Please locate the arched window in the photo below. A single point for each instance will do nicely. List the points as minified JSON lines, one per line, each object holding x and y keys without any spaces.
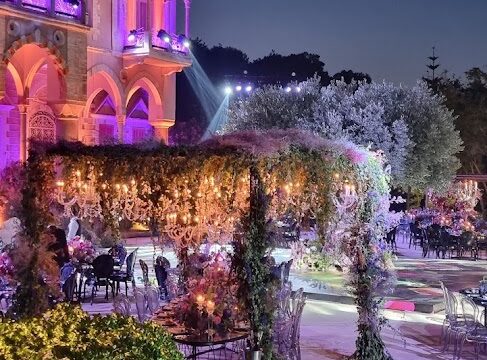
{"x":42,"y":126}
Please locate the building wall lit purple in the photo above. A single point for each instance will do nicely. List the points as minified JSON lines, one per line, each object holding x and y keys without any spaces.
{"x":96,"y":71}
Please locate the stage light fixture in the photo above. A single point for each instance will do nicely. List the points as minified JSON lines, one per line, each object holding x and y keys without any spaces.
{"x":238,"y":88}
{"x":288,"y":89}
{"x":131,"y":36}
{"x":248,"y":88}
{"x":164,"y":36}
{"x":228,"y":90}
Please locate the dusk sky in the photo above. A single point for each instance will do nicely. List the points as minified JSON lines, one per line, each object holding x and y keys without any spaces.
{"x":389,"y":39}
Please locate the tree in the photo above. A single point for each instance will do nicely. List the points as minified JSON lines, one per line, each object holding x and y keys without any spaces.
{"x":412,"y":126}
{"x":298,"y":67}
{"x":469,"y":103}
{"x":272,"y":107}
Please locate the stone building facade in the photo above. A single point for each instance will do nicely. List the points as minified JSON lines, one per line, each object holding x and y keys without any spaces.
{"x":97,"y":71}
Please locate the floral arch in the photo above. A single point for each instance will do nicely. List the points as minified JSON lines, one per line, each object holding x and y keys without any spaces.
{"x":232,"y":184}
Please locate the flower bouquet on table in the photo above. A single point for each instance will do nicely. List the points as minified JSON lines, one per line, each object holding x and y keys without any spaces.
{"x":211,"y":304}
{"x":6,"y":267}
{"x":81,"y":251}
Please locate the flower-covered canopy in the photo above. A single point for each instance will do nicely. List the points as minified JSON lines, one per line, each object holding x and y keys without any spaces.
{"x":228,"y":188}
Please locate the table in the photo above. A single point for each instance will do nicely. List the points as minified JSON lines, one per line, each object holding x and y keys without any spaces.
{"x":473,"y":293}
{"x":200,"y":344}
{"x":203,"y":344}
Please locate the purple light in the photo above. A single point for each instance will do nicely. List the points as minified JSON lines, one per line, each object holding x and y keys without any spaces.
{"x":298,"y":89}
{"x":238,"y":88}
{"x":288,"y":89}
{"x":248,"y":88}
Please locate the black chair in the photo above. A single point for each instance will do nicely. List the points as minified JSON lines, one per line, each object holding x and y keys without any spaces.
{"x":125,"y":276}
{"x":391,"y":239}
{"x":102,"y":271}
{"x":69,"y":288}
{"x":145,"y":272}
{"x":161,"y":275}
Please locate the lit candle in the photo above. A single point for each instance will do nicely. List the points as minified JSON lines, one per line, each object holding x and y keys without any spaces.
{"x":200,"y":300}
{"x":210,"y":306}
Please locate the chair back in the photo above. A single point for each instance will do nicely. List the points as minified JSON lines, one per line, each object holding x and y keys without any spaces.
{"x":153,"y":296}
{"x":69,"y":287}
{"x":131,"y":262}
{"x":103,"y":266}
{"x":287,"y":269}
{"x":140,"y":304}
{"x":145,"y":272}
{"x":122,"y":305}
{"x":161,"y":274}
{"x":470,"y":314}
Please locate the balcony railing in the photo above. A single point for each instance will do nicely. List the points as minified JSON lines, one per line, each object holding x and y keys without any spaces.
{"x":142,"y":40}
{"x":71,"y":10}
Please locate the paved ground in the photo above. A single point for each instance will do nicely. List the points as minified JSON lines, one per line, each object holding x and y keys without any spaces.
{"x":328,"y":328}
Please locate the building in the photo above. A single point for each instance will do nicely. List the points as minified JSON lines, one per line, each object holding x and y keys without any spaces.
{"x":96,"y":71}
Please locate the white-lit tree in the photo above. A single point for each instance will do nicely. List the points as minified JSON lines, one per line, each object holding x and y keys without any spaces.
{"x":412,"y":126}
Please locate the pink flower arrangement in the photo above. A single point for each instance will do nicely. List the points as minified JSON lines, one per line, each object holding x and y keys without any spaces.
{"x":212,"y":296}
{"x":80,"y":250}
{"x":6,"y":265}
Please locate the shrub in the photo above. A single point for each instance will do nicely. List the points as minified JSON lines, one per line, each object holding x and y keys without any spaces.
{"x":67,"y":332}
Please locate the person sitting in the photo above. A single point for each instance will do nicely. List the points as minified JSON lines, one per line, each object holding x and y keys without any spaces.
{"x":60,"y":246}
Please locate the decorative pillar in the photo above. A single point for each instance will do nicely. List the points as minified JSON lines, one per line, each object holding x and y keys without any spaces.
{"x":121,"y":120}
{"x":161,"y":129}
{"x":158,"y":15}
{"x":187,"y":7}
{"x":23,"y":131}
{"x":131,"y":20}
{"x":170,"y":16}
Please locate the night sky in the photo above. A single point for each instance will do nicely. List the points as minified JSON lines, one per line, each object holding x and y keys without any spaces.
{"x":389,"y":39}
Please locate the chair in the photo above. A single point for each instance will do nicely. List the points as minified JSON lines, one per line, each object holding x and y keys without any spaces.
{"x":68,"y":281}
{"x":102,"y":271}
{"x":122,"y":305}
{"x":145,"y":272}
{"x":126,"y":276}
{"x":140,"y":304}
{"x":286,"y":270}
{"x":161,"y":277}
{"x":473,"y":331}
{"x":152,"y":296}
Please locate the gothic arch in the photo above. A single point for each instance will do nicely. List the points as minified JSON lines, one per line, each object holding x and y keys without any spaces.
{"x":37,"y":38}
{"x":143,"y":80}
{"x":19,"y":87}
{"x":114,"y":88}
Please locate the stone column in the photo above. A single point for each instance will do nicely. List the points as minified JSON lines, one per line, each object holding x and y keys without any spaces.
{"x":170,"y":16}
{"x":158,"y":14}
{"x":161,"y":129}
{"x":187,"y":8}
{"x":23,"y":131}
{"x":121,"y":120}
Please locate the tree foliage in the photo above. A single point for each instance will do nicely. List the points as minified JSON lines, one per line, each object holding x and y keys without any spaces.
{"x":412,"y":126}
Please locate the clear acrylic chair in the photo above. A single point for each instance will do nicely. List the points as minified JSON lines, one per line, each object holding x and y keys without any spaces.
{"x":152,"y":296}
{"x":122,"y":305}
{"x":141,"y":304}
